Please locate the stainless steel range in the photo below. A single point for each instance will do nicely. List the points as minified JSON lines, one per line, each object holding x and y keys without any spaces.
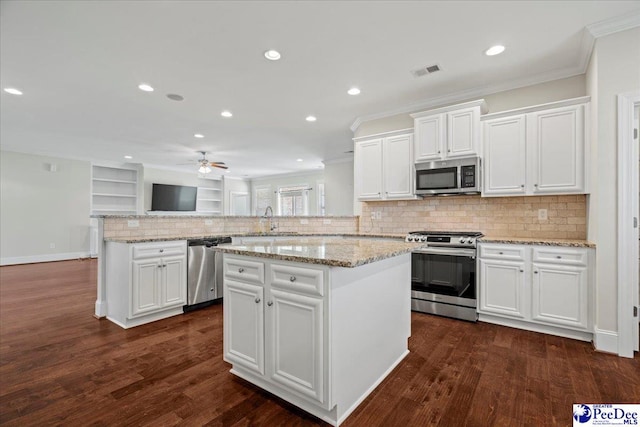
{"x":443,"y":273}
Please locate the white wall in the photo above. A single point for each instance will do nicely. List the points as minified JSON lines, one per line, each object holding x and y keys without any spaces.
{"x":39,"y":208}
{"x":555,"y":90}
{"x":308,"y":178}
{"x":234,"y":185}
{"x":614,"y":69}
{"x":338,"y":187}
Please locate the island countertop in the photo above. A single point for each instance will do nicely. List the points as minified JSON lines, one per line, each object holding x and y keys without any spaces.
{"x":334,"y":251}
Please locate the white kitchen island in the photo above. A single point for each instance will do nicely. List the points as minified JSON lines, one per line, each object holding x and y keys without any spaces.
{"x":319,"y":322}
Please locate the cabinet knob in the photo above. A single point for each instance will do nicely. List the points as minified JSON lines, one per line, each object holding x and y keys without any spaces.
{"x":159,"y":265}
{"x":292,"y":278}
{"x":521,"y":185}
{"x":535,"y":185}
{"x":500,"y":253}
{"x":535,"y":272}
{"x":521,"y":271}
{"x":161,"y":250}
{"x":211,"y":290}
{"x":438,"y":151}
{"x":257,"y":300}
{"x":270,"y":303}
{"x":240,"y":270}
{"x":449,"y":150}
{"x":559,"y":257}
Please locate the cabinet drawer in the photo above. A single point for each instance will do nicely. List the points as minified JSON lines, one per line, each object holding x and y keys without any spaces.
{"x":302,"y":280}
{"x":515,"y":253}
{"x":244,"y":270}
{"x":556,"y":255}
{"x":159,"y":249}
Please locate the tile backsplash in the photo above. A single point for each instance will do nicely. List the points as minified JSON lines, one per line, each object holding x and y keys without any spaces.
{"x":493,"y":216}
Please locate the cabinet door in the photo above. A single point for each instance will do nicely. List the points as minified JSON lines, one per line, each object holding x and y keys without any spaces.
{"x":174,"y":281}
{"x":398,"y":167}
{"x":244,"y":325}
{"x":560,"y":295}
{"x":429,"y":137}
{"x":556,"y":138}
{"x":463,"y":132}
{"x":369,"y":169}
{"x":145,"y":286}
{"x":502,"y":288}
{"x":296,"y":334}
{"x":504,"y":156}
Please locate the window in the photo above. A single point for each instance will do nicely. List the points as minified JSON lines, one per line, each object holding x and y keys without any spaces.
{"x":261,"y":199}
{"x":321,"y":200}
{"x":293,"y":200}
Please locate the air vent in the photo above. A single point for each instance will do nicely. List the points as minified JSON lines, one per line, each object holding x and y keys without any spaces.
{"x":425,"y":70}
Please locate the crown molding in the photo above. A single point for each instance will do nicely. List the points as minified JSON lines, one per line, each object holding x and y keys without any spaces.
{"x":476,"y":92}
{"x":615,"y":24}
{"x":385,"y":134}
{"x":530,"y":109}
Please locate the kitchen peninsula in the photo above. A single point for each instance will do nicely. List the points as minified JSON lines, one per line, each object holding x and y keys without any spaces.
{"x":317,"y":321}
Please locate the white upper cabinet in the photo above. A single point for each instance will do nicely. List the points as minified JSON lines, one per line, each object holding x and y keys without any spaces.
{"x":384,"y":166}
{"x":448,"y":132}
{"x":537,"y":150}
{"x":505,"y":156}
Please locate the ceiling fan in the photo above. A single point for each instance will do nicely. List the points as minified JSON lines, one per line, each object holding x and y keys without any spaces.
{"x":205,"y":165}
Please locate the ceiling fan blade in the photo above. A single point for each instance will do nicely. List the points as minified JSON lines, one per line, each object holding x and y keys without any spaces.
{"x":219,"y":166}
{"x":216,"y":163}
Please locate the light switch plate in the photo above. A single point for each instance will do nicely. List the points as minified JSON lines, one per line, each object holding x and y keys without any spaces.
{"x":542,"y":214}
{"x":132,"y":223}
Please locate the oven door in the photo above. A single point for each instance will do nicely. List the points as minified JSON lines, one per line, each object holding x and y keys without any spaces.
{"x":444,"y":274}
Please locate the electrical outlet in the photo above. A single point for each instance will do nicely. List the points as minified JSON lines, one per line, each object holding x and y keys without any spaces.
{"x":304,"y":221}
{"x":132,"y":223}
{"x":52,"y":245}
{"x":326,"y":221}
{"x":208,"y":222}
{"x":378,"y":215}
{"x":542,"y":214}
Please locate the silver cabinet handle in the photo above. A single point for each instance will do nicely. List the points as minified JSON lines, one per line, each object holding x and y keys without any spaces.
{"x":257,"y":300}
{"x":292,"y":279}
{"x":270,"y":303}
{"x":161,"y":250}
{"x":240,"y":270}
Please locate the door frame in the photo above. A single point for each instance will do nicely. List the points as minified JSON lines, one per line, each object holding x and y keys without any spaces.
{"x":627,"y":229}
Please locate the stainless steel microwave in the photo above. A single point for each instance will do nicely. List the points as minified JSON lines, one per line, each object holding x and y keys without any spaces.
{"x":457,"y":176}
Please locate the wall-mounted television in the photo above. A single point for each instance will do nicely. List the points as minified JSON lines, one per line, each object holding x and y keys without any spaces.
{"x":173,"y":198}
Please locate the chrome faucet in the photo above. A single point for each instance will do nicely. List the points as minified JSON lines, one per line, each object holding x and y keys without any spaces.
{"x":268,"y":214}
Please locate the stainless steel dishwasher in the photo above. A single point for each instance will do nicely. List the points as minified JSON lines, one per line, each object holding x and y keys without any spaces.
{"x":204,"y":272}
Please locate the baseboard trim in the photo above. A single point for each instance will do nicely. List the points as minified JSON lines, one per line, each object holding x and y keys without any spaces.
{"x":605,"y":341}
{"x":32,"y":259}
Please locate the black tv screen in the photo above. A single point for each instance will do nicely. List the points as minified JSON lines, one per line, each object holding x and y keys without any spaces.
{"x":173,"y":198}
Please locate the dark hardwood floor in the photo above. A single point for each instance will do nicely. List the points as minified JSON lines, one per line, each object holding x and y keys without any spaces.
{"x":61,"y":366}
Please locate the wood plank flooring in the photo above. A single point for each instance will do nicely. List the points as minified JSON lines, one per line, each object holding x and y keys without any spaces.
{"x":61,"y":366}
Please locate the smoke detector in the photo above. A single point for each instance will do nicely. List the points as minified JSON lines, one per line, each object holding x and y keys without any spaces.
{"x":423,"y":71}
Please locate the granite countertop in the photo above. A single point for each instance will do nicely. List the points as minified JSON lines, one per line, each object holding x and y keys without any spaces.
{"x":574,"y":243}
{"x":333,"y":251}
{"x":217,"y":235}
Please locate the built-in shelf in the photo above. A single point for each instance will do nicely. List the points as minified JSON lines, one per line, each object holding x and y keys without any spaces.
{"x":209,"y":199}
{"x":114,"y":190}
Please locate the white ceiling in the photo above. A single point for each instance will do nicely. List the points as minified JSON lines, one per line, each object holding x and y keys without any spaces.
{"x":79,"y":64}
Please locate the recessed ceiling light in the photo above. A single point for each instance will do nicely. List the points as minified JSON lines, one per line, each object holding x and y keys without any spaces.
{"x":311,"y":118}
{"x":226,"y":113}
{"x":198,"y":135}
{"x":128,"y":157}
{"x":145,"y":87}
{"x":13,"y":91}
{"x":175,"y":97}
{"x":354,"y":91}
{"x":272,"y":55}
{"x":494,"y":50}
{"x":299,"y":160}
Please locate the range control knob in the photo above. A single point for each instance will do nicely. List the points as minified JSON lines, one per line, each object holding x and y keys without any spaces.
{"x":463,"y":239}
{"x":471,"y":241}
{"x":423,"y":239}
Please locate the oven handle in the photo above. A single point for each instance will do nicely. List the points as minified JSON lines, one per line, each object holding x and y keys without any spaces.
{"x":471,"y":253}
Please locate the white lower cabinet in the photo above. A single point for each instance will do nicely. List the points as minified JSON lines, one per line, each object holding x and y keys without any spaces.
{"x":514,"y":284}
{"x":278,"y":324}
{"x":145,"y":281}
